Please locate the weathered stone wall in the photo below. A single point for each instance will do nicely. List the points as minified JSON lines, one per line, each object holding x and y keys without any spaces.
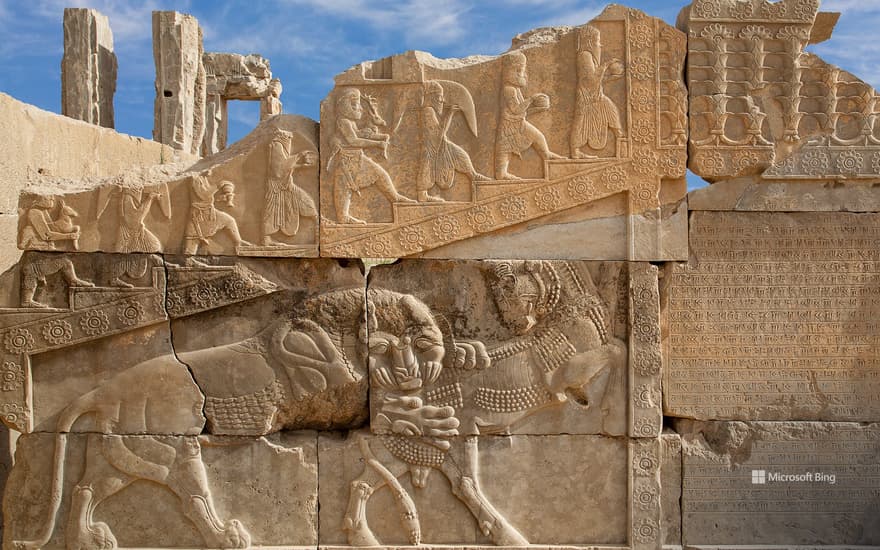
{"x":570,"y":353}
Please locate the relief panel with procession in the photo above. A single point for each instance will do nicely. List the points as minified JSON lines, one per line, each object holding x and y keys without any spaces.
{"x":257,"y":198}
{"x":569,"y":125}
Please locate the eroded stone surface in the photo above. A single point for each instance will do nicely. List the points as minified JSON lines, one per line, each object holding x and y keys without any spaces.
{"x":88,"y":68}
{"x":232,"y":76}
{"x":521,"y":482}
{"x":180,"y":81}
{"x":733,"y":494}
{"x":761,"y":106}
{"x":515,"y":346}
{"x":420,"y":152}
{"x":257,"y":198}
{"x":161,"y":491}
{"x":670,"y":484}
{"x":774,"y":318}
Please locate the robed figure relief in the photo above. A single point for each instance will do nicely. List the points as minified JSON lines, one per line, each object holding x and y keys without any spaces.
{"x":595,"y":115}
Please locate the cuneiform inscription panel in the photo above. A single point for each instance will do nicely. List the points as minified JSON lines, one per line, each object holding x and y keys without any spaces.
{"x":775,"y":318}
{"x":780,"y":483}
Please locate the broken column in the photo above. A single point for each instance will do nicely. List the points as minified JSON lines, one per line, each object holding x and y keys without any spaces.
{"x":180,"y":81}
{"x":88,"y":68}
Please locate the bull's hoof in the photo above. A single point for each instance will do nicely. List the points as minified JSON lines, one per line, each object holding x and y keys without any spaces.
{"x":235,"y":535}
{"x":359,"y":534}
{"x":96,"y":537}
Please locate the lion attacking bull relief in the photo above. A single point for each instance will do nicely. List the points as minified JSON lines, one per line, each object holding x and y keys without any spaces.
{"x":435,"y":394}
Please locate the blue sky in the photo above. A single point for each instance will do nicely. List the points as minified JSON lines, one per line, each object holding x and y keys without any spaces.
{"x":310,"y":41}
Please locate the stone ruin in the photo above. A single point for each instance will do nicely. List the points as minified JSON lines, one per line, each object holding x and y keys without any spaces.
{"x":571,"y":352}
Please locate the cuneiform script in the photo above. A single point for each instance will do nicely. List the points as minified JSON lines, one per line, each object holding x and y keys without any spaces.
{"x":775,"y":318}
{"x":801,"y":483}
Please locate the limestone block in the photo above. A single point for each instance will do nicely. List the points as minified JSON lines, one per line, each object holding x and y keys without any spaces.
{"x":88,"y":68}
{"x":257,"y":198}
{"x":294,"y":359}
{"x":282,"y":352}
{"x":41,"y":146}
{"x":760,"y":106}
{"x":180,"y":81}
{"x":562,"y":490}
{"x":421,"y":152}
{"x":5,"y":462}
{"x":774,"y":318}
{"x":163,"y":492}
{"x":232,"y":76}
{"x":524,"y":347}
{"x":670,"y":485}
{"x":780,"y":484}
{"x":748,"y":195}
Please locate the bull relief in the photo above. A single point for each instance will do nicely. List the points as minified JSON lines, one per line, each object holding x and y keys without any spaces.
{"x":420,"y":154}
{"x":257,"y":198}
{"x":533,"y":348}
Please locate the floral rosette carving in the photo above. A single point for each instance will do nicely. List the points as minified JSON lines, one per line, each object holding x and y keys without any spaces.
{"x":513,"y":208}
{"x":645,"y":462}
{"x":646,"y":396}
{"x":13,"y":413}
{"x":642,"y":36}
{"x":57,"y":332}
{"x":647,"y":362}
{"x":480,"y":219}
{"x":645,"y":161}
{"x":849,"y":163}
{"x":175,"y":304}
{"x":130,"y":313}
{"x":645,"y":530}
{"x":203,"y":295}
{"x":614,"y":179}
{"x":816,"y":163}
{"x":646,"y":427}
{"x":18,"y":341}
{"x":581,"y":188}
{"x":342,"y":251}
{"x":772,"y":10}
{"x":446,"y":228}
{"x":710,"y":164}
{"x":646,"y":495}
{"x":673,"y":165}
{"x":707,"y":9}
{"x":805,"y":10}
{"x":378,"y":247}
{"x":642,"y":68}
{"x":412,"y":239}
{"x":547,"y":199}
{"x":745,"y":160}
{"x":644,"y":132}
{"x":11,"y":376}
{"x":94,"y":322}
{"x":642,"y":101}
{"x":742,"y":10}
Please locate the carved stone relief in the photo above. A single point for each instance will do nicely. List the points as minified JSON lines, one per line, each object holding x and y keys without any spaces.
{"x":373,"y":494}
{"x":162,"y":491}
{"x":257,"y":198}
{"x":762,"y":106}
{"x":421,"y":153}
{"x":528,"y":347}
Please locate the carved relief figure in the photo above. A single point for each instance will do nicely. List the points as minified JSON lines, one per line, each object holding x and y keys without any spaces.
{"x":133,"y":266}
{"x":442,"y":158}
{"x":294,"y":368}
{"x":205,"y":221}
{"x":41,"y":231}
{"x":286,"y":202}
{"x":271,"y":104}
{"x":565,"y":344}
{"x":133,"y":210}
{"x":350,"y":169}
{"x":594,"y":112}
{"x":515,"y":134}
{"x":34,"y":273}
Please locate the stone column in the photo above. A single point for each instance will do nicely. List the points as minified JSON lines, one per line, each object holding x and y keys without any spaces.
{"x":180,"y":81}
{"x":88,"y":69}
